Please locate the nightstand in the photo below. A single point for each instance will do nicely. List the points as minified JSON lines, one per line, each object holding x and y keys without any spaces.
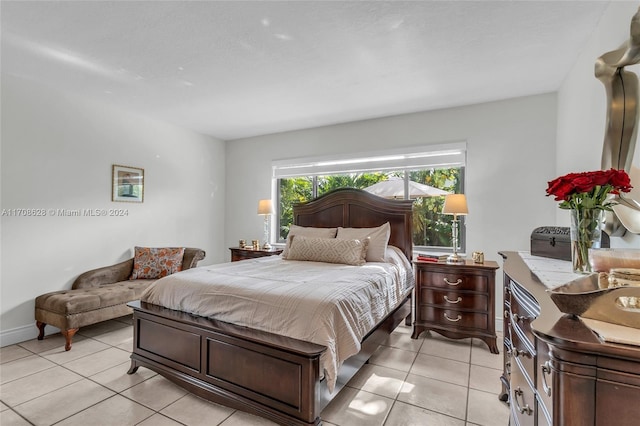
{"x":456,"y":301}
{"x":238,"y":253}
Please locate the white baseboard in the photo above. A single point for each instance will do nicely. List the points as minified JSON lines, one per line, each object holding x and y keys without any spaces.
{"x":24,"y":333}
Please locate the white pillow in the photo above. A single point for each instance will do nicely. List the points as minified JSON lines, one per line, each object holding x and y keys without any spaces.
{"x":379,"y":237}
{"x":307,"y":231}
{"x":329,"y":250}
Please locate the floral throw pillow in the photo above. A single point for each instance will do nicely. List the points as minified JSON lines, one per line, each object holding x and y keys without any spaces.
{"x":154,"y":263}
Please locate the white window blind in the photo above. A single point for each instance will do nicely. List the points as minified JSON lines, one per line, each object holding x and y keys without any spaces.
{"x":417,"y":157}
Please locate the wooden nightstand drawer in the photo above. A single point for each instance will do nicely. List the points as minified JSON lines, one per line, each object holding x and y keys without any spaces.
{"x":453,"y":317}
{"x":243,"y":253}
{"x":455,"y":300}
{"x":455,"y":281}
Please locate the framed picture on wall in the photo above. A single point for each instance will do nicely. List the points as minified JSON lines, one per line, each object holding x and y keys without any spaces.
{"x":127,"y":184}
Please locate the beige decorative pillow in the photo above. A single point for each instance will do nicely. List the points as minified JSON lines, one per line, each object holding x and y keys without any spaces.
{"x":307,"y":231}
{"x":330,"y":250}
{"x":379,"y":237}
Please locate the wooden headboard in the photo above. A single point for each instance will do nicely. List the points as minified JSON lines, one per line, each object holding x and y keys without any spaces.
{"x":355,"y":208}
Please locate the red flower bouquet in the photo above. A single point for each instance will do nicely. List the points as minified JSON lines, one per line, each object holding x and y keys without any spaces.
{"x":589,"y":190}
{"x":586,"y":195}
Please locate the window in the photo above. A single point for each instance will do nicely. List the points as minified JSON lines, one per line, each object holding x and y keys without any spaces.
{"x":414,"y":170}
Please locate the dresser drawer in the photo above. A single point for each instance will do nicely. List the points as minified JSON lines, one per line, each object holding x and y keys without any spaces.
{"x":506,"y":367}
{"x":543,"y":415}
{"x":523,"y":352}
{"x":522,"y":302}
{"x":455,"y":300}
{"x":522,"y":320}
{"x":544,"y":376}
{"x":453,"y":317}
{"x":522,"y":399}
{"x":455,"y":281}
{"x":520,"y":315}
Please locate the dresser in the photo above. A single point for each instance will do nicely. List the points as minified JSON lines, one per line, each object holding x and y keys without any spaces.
{"x":238,"y":253}
{"x":457,"y":301}
{"x":556,"y":370}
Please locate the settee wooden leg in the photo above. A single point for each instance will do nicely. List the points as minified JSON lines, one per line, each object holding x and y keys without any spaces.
{"x":41,"y":326}
{"x":133,"y":368}
{"x":68,"y":337}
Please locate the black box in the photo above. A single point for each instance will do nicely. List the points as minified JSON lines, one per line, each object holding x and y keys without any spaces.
{"x":555,"y":242}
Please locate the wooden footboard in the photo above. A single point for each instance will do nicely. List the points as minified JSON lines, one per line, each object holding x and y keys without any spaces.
{"x":269,"y":375}
{"x":272,"y":376}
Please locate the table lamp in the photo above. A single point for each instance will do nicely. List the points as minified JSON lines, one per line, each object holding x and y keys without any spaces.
{"x":265,"y":208}
{"x":455,"y":204}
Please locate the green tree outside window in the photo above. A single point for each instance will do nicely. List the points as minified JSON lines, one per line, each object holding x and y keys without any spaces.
{"x":430,"y":227}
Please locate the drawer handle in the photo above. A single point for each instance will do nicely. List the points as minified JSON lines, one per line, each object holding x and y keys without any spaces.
{"x":520,"y":318}
{"x":523,"y":410}
{"x":458,"y":300}
{"x":546,"y":370}
{"x":518,"y":353}
{"x":458,"y":281}
{"x":451,"y":319}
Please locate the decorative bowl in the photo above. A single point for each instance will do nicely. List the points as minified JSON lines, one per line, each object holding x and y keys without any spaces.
{"x":583,"y":297}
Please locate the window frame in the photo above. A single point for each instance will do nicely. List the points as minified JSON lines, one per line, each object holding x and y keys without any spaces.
{"x":405,"y":160}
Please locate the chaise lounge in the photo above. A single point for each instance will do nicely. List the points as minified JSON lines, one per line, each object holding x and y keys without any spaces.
{"x":97,"y":295}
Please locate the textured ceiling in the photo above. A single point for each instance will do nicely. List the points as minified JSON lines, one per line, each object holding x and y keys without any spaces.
{"x":234,"y":69}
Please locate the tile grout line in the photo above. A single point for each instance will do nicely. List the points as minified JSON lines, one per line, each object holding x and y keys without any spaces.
{"x":466,"y":410}
{"x":442,"y":381}
{"x":394,"y":400}
{"x":82,"y":376}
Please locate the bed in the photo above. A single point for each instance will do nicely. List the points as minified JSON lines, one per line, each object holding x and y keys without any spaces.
{"x":271,"y":375}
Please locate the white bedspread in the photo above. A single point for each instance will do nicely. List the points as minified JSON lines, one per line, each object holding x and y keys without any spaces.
{"x":329,"y":304}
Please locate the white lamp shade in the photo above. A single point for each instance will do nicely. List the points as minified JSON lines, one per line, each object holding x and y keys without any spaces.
{"x":455,"y":204}
{"x":265,"y":207}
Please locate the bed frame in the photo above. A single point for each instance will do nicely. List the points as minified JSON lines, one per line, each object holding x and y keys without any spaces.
{"x":269,"y":375}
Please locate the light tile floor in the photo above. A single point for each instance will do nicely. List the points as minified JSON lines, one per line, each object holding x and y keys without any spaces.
{"x":430,"y":381}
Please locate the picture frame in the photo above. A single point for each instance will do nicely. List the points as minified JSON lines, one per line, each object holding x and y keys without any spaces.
{"x":127,"y":184}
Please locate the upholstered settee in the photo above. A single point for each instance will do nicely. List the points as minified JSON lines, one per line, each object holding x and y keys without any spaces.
{"x":97,"y":295}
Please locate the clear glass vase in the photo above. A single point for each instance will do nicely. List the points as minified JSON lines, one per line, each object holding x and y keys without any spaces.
{"x":586,"y":231}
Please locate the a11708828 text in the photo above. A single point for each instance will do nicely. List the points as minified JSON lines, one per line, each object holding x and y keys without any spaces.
{"x":60,"y":212}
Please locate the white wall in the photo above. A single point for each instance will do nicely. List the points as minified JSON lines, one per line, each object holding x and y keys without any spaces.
{"x":582,"y":106}
{"x":57,"y":153}
{"x":510,"y":157}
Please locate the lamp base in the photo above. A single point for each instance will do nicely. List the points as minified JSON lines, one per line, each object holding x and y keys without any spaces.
{"x":266,"y":245}
{"x":454,"y":259}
